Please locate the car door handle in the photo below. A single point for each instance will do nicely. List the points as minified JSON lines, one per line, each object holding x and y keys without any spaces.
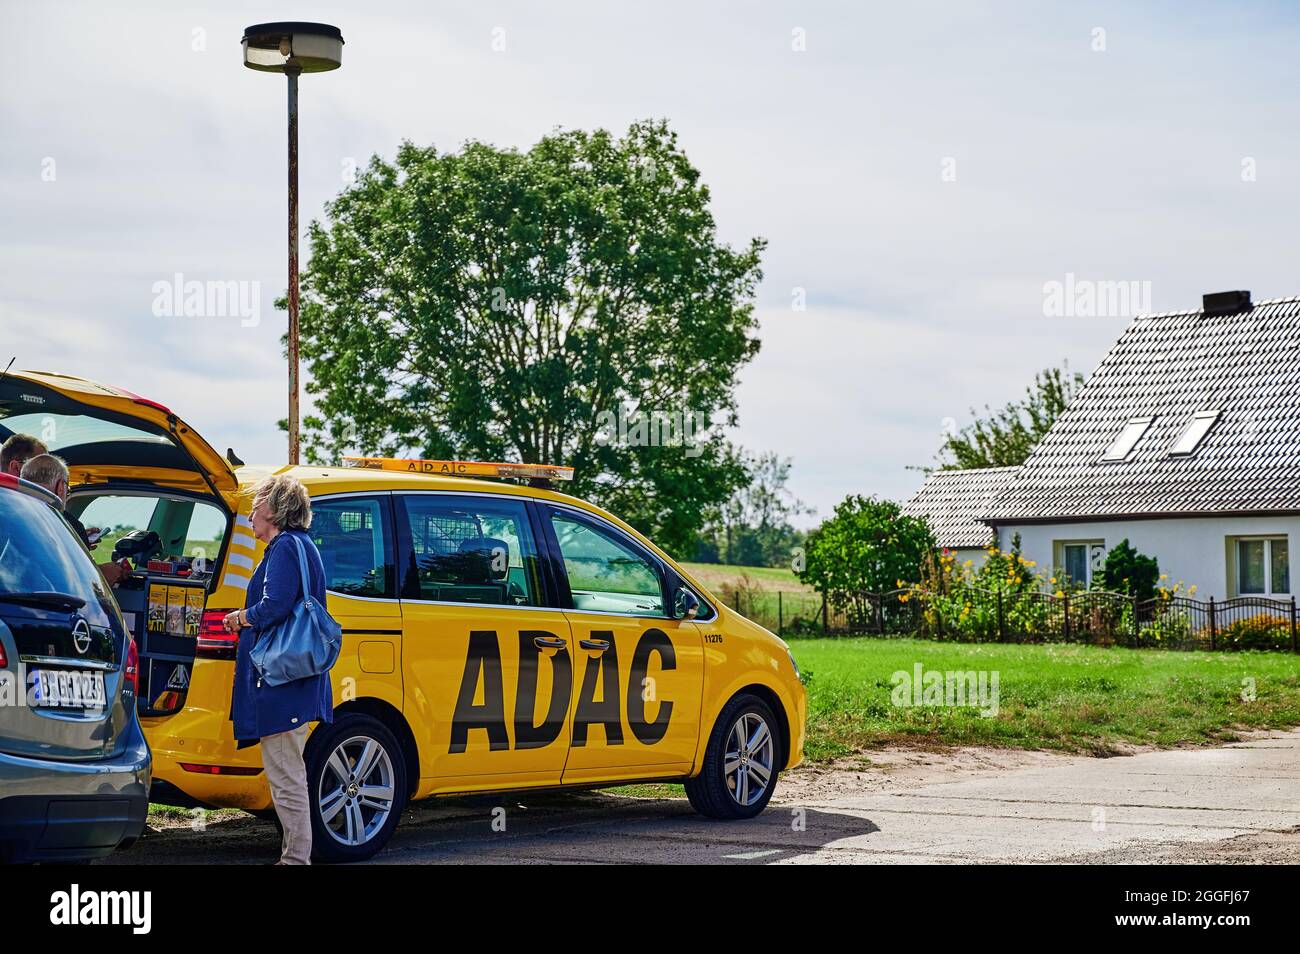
{"x":549,"y":642}
{"x":596,"y":644}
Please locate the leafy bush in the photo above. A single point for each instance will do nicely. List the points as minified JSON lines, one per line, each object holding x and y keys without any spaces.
{"x":869,"y":544}
{"x":1261,"y":631}
{"x":1127,"y":571}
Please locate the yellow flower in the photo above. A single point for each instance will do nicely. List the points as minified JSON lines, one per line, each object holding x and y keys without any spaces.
{"x":1058,"y":593}
{"x":1192,"y":588}
{"x":1052,"y":580}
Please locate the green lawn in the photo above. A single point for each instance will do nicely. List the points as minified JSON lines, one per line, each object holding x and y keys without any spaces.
{"x":1076,"y":698}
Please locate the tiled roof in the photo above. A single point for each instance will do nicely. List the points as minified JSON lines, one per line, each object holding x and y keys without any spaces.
{"x":952,"y":501}
{"x":1246,"y":366}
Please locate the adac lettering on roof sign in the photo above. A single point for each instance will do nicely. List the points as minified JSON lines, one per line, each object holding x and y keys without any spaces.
{"x":483,"y":666}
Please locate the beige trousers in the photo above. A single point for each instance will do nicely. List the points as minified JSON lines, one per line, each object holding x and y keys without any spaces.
{"x":287,"y":773}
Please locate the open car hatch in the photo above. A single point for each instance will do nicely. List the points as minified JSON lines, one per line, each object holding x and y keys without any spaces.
{"x":106,"y":433}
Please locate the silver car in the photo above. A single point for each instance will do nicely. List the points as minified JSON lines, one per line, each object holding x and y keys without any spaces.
{"x":74,"y":765}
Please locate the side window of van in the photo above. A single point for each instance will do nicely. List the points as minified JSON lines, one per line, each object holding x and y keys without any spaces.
{"x":607,"y":573}
{"x":352,"y":535}
{"x":472,"y":550}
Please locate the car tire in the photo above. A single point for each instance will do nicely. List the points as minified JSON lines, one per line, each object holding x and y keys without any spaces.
{"x":713,"y":793}
{"x":349,"y":820}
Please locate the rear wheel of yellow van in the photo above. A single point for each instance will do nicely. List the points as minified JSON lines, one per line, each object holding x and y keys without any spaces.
{"x":356,"y":780}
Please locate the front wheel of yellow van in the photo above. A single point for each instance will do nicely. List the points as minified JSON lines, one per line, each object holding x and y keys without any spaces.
{"x":356,"y":778}
{"x":741,"y":762}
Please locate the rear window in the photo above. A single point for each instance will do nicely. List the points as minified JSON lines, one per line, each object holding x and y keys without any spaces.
{"x":58,"y":431}
{"x":40,"y":553}
{"x":186,"y":527}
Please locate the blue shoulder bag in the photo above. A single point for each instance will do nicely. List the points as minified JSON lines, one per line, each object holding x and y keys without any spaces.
{"x":305,"y":644}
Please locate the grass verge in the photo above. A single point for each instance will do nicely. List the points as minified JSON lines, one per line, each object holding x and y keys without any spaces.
{"x":1073,"y":698}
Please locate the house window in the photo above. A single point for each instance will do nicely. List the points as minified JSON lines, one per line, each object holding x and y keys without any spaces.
{"x":1080,"y":560}
{"x":1263,"y":566}
{"x":1194,"y":432}
{"x":1123,"y":445}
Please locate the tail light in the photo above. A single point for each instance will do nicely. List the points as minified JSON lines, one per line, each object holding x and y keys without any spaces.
{"x":3,"y":661}
{"x":132,"y":668}
{"x":214,"y":642}
{"x":218,"y":769}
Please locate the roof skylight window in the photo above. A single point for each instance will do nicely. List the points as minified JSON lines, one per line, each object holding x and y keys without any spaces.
{"x":1194,"y":433}
{"x":1123,"y":445}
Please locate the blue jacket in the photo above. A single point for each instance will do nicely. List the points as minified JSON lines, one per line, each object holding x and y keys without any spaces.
{"x":276,"y":587}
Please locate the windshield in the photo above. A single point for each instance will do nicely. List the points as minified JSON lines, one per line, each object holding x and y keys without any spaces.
{"x":40,"y":553}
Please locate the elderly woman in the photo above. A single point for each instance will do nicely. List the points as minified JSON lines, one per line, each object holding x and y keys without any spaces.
{"x":279,"y":717}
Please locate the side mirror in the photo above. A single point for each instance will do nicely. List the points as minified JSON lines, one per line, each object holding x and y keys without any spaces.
{"x":685,"y":604}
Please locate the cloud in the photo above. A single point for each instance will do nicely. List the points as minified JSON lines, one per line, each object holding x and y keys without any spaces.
{"x":924,"y":288}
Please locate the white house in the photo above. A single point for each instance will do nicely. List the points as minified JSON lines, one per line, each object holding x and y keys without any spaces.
{"x":952,"y":502}
{"x":1185,"y":441}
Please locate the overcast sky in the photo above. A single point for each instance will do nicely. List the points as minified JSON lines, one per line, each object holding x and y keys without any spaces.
{"x":920,"y":171}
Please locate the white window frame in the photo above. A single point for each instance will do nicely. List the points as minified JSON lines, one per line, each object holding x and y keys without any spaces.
{"x":1096,"y":553}
{"x":1193,"y":428}
{"x":1268,"y":540}
{"x":1121,"y":449}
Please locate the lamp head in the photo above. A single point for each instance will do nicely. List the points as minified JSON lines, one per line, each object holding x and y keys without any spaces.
{"x":293,"y":46}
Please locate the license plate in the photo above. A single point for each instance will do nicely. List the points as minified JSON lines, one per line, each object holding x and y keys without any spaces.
{"x":68,"y":689}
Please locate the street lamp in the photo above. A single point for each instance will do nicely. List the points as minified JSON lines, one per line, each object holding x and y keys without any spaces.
{"x":293,"y":48}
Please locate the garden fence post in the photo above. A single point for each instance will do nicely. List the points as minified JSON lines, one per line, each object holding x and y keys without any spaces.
{"x":1066,"y":625}
{"x":1213,"y":623}
{"x":1293,"y":646}
{"x":780,"y":615}
{"x":1002,"y":630}
{"x":880,"y":614}
{"x":826,"y":625}
{"x":1137,"y":628}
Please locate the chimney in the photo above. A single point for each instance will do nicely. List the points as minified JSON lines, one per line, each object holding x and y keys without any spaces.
{"x":1226,"y":303}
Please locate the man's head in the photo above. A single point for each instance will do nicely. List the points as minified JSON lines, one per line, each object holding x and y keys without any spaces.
{"x":18,"y":450}
{"x":48,"y":471}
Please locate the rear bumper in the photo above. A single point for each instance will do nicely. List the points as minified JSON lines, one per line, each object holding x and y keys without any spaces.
{"x":70,"y":811}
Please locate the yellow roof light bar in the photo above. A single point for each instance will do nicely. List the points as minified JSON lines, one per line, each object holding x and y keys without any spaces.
{"x":461,"y":468}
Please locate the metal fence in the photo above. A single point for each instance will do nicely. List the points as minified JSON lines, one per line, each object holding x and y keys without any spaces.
{"x":976,"y":615}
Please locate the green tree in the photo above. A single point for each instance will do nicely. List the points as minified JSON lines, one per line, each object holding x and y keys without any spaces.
{"x":869,"y":544}
{"x":497,"y":304}
{"x":753,"y":527}
{"x":1127,"y":571}
{"x":1007,"y":437}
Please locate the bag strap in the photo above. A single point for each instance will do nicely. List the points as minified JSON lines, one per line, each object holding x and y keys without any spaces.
{"x":302,"y":566}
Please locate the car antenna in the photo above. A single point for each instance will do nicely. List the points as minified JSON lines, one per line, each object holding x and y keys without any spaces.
{"x":8,"y":366}
{"x":230,"y":456}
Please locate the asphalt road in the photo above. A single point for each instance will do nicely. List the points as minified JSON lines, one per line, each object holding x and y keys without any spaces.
{"x":1239,"y":802}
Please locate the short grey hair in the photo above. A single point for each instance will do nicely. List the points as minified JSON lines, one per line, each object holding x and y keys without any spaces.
{"x":46,"y":470}
{"x":288,"y":505}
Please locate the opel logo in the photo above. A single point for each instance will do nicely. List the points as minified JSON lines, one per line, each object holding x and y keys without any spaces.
{"x":81,"y":635}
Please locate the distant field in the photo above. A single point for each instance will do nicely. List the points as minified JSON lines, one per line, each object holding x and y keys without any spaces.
{"x":716,"y":575}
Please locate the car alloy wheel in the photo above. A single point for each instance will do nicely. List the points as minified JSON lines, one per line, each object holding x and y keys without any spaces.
{"x":356,"y":793}
{"x":748,"y":760}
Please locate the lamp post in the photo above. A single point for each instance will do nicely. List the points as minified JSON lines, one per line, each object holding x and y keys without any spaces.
{"x":293,"y":48}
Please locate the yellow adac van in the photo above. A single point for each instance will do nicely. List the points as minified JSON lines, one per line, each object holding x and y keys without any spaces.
{"x":496,"y":635}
